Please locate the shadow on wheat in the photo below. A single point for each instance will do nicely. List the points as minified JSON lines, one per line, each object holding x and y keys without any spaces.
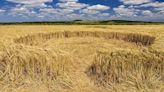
{"x":136,"y":70}
{"x":19,"y":64}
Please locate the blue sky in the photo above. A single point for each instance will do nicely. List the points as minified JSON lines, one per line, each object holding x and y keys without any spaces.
{"x":61,"y":10}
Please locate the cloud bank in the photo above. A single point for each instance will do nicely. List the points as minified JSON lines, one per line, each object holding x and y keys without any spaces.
{"x":47,"y":10}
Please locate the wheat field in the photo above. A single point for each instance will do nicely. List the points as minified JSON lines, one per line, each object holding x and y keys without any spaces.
{"x":82,"y":58}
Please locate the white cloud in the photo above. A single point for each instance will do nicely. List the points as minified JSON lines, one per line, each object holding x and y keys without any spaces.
{"x":48,"y":10}
{"x":35,"y":5}
{"x":69,"y":0}
{"x":56,"y":11}
{"x":64,"y":9}
{"x":22,"y":11}
{"x":72,"y":5}
{"x":87,"y":11}
{"x":104,"y":14}
{"x":161,"y":13}
{"x":25,"y":6}
{"x":59,"y":14}
{"x":157,"y":7}
{"x":154,"y":9}
{"x":29,"y":1}
{"x":95,"y":9}
{"x":126,"y":11}
{"x":135,"y":2}
{"x":98,"y":7}
{"x":19,"y":10}
{"x":153,"y":4}
{"x":147,"y":13}
{"x":2,"y":11}
{"x":74,"y":16}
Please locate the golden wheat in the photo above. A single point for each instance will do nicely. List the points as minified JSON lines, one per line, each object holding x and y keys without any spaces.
{"x":20,"y":63}
{"x":80,"y":58}
{"x":136,"y":38}
{"x":140,"y":68}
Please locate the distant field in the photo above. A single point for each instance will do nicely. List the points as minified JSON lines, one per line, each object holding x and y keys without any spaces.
{"x":81,"y":58}
{"x":83,"y":22}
